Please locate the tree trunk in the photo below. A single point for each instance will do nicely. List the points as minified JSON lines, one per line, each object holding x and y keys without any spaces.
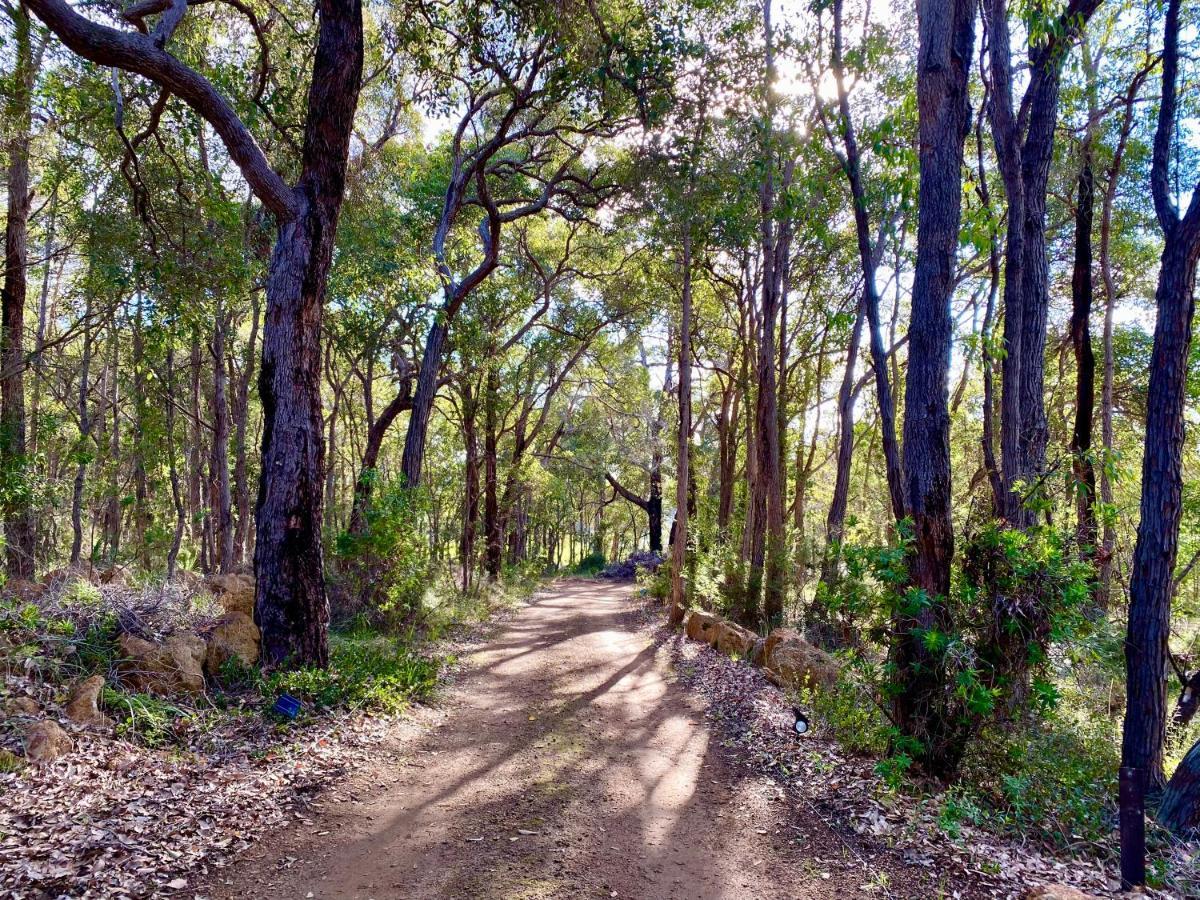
{"x":947,"y":37}
{"x":85,"y":428}
{"x":835,"y":521}
{"x":291,"y":606}
{"x":19,"y":526}
{"x":241,"y":427}
{"x":370,"y":459}
{"x":222,"y":499}
{"x":491,"y":504}
{"x":470,"y":414}
{"x":1153,"y":575}
{"x":679,"y":600}
{"x":176,"y":492}
{"x":1083,"y":470}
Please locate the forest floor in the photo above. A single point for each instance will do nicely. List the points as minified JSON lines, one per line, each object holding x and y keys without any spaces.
{"x":568,"y":761}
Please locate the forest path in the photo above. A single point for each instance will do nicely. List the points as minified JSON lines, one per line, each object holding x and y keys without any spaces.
{"x":566,"y":764}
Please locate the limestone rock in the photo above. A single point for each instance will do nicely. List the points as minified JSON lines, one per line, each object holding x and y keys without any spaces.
{"x":118,"y":576}
{"x":701,"y":625}
{"x":79,"y":572}
{"x":236,"y":637}
{"x":1056,"y":892}
{"x":22,"y":706}
{"x":234,"y":592}
{"x":46,"y":741}
{"x":174,"y":666}
{"x":25,"y":591}
{"x":793,"y":662}
{"x":733,"y":639}
{"x":84,"y":705}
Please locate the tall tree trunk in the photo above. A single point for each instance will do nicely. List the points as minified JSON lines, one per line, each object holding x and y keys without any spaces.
{"x":868,"y":260}
{"x":291,"y":606}
{"x":679,"y":601}
{"x":1024,"y":149}
{"x":241,"y":428}
{"x":85,"y":429}
{"x":112,"y":509}
{"x":1154,"y":555}
{"x":470,"y":413}
{"x":1083,"y":470}
{"x":944,"y":59}
{"x":19,"y":524}
{"x":835,"y":521}
{"x":173,"y":466}
{"x":196,"y":506}
{"x":222,"y":500}
{"x":767,"y":573}
{"x":493,"y":535}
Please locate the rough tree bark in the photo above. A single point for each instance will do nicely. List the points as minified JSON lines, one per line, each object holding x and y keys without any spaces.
{"x":947,"y":36}
{"x":1153,"y":572}
{"x":1083,"y":470}
{"x":683,"y":439}
{"x":1024,"y":145}
{"x":291,"y":606}
{"x":19,"y":531}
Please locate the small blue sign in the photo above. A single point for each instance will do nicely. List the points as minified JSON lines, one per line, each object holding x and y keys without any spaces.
{"x":287,"y":706}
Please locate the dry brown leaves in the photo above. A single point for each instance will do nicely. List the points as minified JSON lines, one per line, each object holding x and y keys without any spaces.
{"x":843,"y":790}
{"x":112,"y":819}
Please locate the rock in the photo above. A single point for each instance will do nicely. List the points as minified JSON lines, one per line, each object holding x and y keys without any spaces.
{"x":45,"y":741}
{"x":236,"y":637}
{"x":793,"y":662}
{"x":758,"y":652}
{"x":1056,"y":892}
{"x":84,"y":705}
{"x":175,"y":666}
{"x":701,"y":625}
{"x":734,"y":639}
{"x":235,"y":592}
{"x":117,"y":576}
{"x":24,"y":591}
{"x":22,"y":706}
{"x":188,"y":580}
{"x":81,"y":572}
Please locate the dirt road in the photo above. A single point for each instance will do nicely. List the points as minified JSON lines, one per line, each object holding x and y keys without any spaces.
{"x":564,"y":763}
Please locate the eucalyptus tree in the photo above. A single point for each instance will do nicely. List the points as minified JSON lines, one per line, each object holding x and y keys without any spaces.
{"x":1023,"y":136}
{"x":1152,"y":579}
{"x":291,"y":606}
{"x":523,"y":81}
{"x":20,"y":537}
{"x":944,"y":56}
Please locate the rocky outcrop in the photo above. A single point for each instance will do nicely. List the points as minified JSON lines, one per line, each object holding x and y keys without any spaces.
{"x":25,"y":591}
{"x":117,"y":576}
{"x":83,"y":707}
{"x":793,"y":662}
{"x":701,"y":626}
{"x":734,"y":640}
{"x":174,"y":666}
{"x":236,"y":637}
{"x":789,"y":660}
{"x":235,"y":592}
{"x":46,"y":741}
{"x":21,"y":706}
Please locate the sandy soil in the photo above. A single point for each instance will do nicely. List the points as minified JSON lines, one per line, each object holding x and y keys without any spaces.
{"x":564,"y":763}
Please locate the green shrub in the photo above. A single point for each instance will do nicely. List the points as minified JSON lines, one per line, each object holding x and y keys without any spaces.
{"x":386,"y":569}
{"x":591,"y":564}
{"x":373,"y":673}
{"x":1055,"y":779}
{"x":144,"y":718}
